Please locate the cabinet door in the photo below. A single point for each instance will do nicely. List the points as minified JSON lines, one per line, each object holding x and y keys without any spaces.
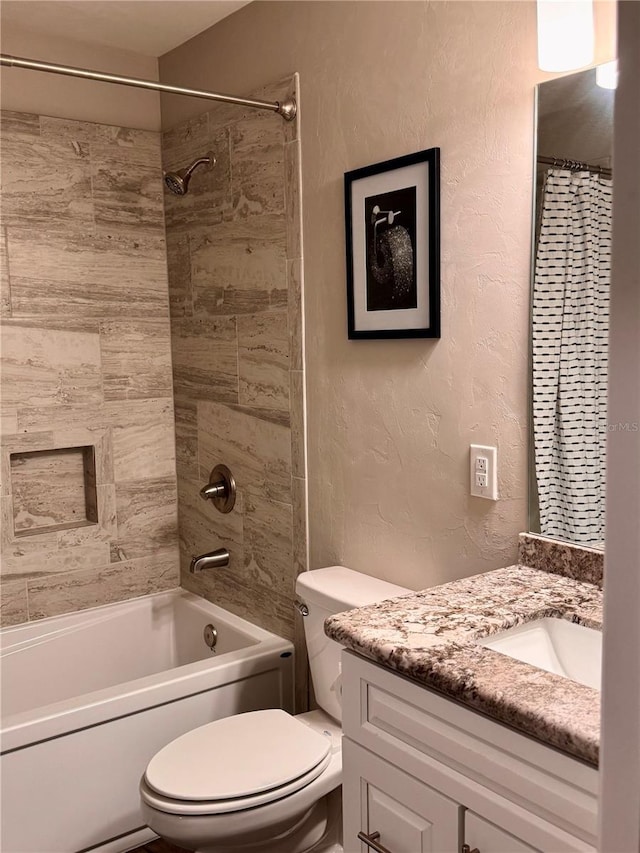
{"x":409,"y":816}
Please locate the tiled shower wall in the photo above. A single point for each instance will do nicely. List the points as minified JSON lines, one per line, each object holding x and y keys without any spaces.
{"x":86,"y":363}
{"x":235,"y":260}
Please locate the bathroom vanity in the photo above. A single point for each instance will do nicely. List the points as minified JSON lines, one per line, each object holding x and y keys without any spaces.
{"x":450,"y":745}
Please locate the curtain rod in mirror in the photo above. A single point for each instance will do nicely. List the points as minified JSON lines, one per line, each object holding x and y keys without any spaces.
{"x":575,"y":166}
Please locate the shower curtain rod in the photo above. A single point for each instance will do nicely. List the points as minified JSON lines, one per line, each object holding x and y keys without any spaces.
{"x":287,"y":109}
{"x":575,"y":165}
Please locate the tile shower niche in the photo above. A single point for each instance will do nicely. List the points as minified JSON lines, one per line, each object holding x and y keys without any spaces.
{"x":53,"y":489}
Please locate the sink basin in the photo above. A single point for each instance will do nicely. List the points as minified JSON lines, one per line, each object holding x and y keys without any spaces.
{"x":556,"y":645}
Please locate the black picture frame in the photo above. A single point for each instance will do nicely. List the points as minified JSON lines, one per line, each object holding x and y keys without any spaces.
{"x":392,"y":222}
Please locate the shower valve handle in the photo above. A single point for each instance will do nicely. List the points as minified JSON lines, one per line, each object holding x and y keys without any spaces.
{"x":221,"y":489}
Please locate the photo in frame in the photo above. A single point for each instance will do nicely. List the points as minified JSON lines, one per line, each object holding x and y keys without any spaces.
{"x":392,"y":218}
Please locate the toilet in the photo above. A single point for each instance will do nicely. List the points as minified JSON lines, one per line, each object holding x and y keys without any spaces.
{"x":265,"y":780}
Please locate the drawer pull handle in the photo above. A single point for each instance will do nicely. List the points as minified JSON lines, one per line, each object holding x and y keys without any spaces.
{"x":371,"y":841}
{"x":466,"y":849}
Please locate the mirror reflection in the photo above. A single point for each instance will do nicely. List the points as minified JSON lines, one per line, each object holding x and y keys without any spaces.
{"x":570,"y":308}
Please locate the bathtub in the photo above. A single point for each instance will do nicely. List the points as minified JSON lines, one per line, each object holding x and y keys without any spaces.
{"x":88,"y":699}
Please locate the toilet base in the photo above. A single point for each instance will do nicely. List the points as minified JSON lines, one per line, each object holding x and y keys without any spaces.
{"x":303,"y":836}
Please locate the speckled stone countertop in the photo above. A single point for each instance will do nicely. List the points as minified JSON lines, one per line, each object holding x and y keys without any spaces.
{"x":429,"y":637}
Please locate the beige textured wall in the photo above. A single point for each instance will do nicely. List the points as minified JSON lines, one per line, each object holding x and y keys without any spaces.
{"x":390,"y":422}
{"x":86,"y":362}
{"x":83,"y":100}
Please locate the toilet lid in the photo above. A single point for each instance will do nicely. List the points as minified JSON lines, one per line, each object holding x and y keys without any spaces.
{"x":239,"y":757}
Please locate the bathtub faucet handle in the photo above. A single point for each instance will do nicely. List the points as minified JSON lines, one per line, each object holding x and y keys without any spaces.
{"x":214,"y":560}
{"x":221,"y":489}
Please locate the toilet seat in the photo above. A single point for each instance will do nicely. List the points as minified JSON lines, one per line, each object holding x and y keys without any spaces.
{"x":236,"y":763}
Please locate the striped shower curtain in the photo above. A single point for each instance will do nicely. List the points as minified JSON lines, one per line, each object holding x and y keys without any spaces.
{"x":570,"y":330}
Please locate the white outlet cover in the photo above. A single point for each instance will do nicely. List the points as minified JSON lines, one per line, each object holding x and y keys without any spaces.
{"x":490,"y":490}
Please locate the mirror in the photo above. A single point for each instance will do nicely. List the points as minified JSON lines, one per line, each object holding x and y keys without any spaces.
{"x":570,"y":309}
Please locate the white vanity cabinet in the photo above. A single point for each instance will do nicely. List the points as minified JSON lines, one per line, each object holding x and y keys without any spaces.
{"x":423,"y":774}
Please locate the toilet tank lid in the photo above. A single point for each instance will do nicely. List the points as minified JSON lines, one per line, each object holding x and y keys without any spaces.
{"x":337,"y":588}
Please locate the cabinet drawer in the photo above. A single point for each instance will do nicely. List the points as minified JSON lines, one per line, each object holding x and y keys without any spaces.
{"x":488,"y":838}
{"x":464,"y":753}
{"x":409,"y":816}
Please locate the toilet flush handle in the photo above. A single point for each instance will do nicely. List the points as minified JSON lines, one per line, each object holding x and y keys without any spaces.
{"x":301,"y":607}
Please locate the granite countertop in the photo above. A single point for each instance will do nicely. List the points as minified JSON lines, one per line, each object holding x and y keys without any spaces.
{"x":429,"y":637}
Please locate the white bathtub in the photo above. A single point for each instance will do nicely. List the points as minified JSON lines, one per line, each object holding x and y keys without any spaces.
{"x":88,"y":698}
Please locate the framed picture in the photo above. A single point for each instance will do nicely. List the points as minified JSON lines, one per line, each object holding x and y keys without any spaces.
{"x":392,"y":214}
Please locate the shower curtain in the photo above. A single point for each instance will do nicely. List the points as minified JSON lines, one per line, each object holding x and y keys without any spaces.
{"x":570,"y":331}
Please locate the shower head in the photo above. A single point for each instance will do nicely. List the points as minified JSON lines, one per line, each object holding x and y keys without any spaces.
{"x":178,"y":182}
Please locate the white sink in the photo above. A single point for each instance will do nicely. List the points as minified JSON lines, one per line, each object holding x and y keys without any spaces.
{"x":556,"y":645}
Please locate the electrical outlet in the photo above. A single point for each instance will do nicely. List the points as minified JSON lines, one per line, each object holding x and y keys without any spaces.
{"x":483,"y":472}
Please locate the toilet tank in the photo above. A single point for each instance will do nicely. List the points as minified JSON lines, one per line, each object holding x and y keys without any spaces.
{"x":326,"y":592}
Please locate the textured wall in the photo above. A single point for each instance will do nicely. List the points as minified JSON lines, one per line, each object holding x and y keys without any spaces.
{"x":391,"y":421}
{"x":235,"y":290}
{"x":83,"y":100}
{"x":86,"y":362}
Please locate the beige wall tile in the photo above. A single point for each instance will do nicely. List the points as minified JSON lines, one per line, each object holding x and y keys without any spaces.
{"x":300,"y":526}
{"x":185,"y":142}
{"x":19,"y":124}
{"x":186,"y":437}
{"x":136,"y":358}
{"x":263,"y":360}
{"x":205,"y":358}
{"x":179,"y":270}
{"x":298,"y":454}
{"x":296,"y":316}
{"x":257,"y":451}
{"x":292,"y":201}
{"x":268,"y":543}
{"x":67,"y":130}
{"x":143,"y":440}
{"x":43,"y":562}
{"x":8,"y":420}
{"x":147,"y":519}
{"x":127,"y":188}
{"x":5,"y":287}
{"x":45,"y":181}
{"x":237,"y":266}
{"x":91,"y":418}
{"x":49,"y":367}
{"x":13,"y":603}
{"x":90,"y":588}
{"x":145,"y":142}
{"x":257,"y":166}
{"x":86,"y":273}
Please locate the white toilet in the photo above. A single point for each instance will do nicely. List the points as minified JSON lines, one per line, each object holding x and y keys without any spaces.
{"x":264,"y":781}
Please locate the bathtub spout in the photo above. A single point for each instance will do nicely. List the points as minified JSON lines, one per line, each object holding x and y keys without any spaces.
{"x":215,"y":560}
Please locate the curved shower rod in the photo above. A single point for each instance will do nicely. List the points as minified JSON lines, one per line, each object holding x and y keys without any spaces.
{"x":287,"y":109}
